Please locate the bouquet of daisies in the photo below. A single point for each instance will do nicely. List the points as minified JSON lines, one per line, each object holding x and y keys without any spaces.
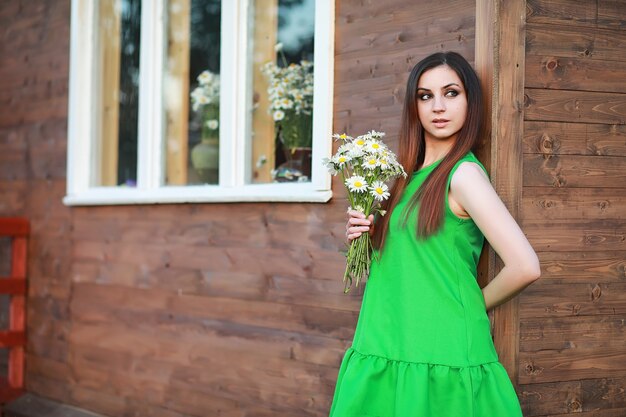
{"x":365,"y":164}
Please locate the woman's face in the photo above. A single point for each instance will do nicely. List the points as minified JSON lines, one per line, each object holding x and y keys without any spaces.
{"x":441,"y":103}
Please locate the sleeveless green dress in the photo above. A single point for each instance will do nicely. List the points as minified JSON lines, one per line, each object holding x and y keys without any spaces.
{"x":422,"y":345}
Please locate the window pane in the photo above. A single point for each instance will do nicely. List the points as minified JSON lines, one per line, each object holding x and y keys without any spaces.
{"x":192,"y":90}
{"x":281,"y":102}
{"x":118,"y":99}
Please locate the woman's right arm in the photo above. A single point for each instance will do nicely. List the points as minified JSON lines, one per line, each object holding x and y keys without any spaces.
{"x":472,"y":189}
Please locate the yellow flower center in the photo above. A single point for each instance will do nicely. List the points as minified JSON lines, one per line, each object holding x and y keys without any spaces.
{"x":372,"y":162}
{"x":342,"y":159}
{"x":358,"y":184}
{"x":360,"y":142}
{"x":379,"y":190}
{"x":343,"y":136}
{"x":375,"y":145}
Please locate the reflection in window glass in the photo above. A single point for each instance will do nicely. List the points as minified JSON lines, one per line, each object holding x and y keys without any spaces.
{"x":281,"y":102}
{"x":118,"y":107}
{"x":192,"y":92}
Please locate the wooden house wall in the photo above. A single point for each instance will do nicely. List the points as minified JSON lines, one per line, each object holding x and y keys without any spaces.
{"x":199,"y":309}
{"x":572,"y":351}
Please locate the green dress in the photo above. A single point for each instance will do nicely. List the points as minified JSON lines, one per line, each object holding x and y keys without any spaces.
{"x":422,"y":345}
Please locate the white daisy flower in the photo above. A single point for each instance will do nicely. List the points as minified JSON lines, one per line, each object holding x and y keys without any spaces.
{"x":355,"y":152}
{"x":380,"y":191}
{"x":205,"y":77}
{"x":278,"y":115}
{"x":357,"y":183}
{"x":359,"y":141}
{"x":375,"y":134}
{"x":343,"y":136}
{"x":345,"y":148}
{"x":374,"y":146}
{"x":370,"y":162}
{"x":383,"y":163}
{"x":212,"y":124}
{"x":341,"y":160}
{"x":278,"y":47}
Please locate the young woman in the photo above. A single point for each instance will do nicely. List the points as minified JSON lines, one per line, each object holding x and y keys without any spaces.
{"x":422,"y":346}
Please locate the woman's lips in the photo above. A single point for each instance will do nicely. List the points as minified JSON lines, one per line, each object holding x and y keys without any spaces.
{"x":440,"y":122}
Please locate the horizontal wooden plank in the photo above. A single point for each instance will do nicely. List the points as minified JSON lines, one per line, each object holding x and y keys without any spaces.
{"x":557,"y":138}
{"x":570,"y":365}
{"x":574,"y":106}
{"x":584,"y":235}
{"x":574,"y":171}
{"x":592,"y":14}
{"x":13,"y":201}
{"x":541,"y":399}
{"x":572,"y":334}
{"x":566,"y":73}
{"x":543,"y":203}
{"x":294,"y":261}
{"x":396,"y":29}
{"x":96,"y":302}
{"x":575,"y":42}
{"x":595,"y":397}
{"x":575,"y":267}
{"x":575,"y":299}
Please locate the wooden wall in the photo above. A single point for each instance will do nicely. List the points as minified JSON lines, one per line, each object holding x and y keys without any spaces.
{"x":199,"y":309}
{"x":572,"y":351}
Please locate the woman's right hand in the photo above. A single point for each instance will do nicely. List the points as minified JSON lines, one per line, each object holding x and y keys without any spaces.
{"x":357,"y":224}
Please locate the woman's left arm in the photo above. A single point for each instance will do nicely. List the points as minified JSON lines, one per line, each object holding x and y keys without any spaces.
{"x":470,"y":187}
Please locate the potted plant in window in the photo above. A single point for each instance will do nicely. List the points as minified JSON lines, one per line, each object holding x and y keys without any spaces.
{"x":205,"y":102}
{"x":291,"y":107}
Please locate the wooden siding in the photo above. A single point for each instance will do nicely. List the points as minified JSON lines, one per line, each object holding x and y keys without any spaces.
{"x":193,"y":309}
{"x":572,"y":354}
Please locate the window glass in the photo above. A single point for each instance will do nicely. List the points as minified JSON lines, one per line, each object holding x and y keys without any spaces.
{"x":192,"y":92}
{"x":281,"y":98}
{"x":118,"y":93}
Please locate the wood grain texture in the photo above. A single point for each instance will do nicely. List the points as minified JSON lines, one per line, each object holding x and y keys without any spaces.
{"x":571,"y":267}
{"x":544,"y":203}
{"x":594,"y":298}
{"x":575,"y":42}
{"x":600,"y":13}
{"x":584,"y":235}
{"x":557,"y":138}
{"x":600,"y":397}
{"x":506,"y":153}
{"x":566,"y":73}
{"x":574,"y":106}
{"x":574,"y":171}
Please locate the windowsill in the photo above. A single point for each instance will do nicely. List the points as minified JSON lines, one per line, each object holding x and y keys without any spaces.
{"x":287,"y":193}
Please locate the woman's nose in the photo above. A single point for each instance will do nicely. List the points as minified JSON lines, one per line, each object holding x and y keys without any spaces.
{"x":438,"y":104}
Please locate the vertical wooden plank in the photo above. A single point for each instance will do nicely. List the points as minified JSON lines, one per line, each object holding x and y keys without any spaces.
{"x":484,"y":64}
{"x":265,"y":33}
{"x":506,"y":153}
{"x":177,"y":92}
{"x":110,"y":44}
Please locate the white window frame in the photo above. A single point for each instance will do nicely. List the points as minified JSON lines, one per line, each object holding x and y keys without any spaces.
{"x":234,"y":159}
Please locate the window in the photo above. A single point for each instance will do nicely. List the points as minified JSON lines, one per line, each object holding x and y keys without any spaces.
{"x":200,"y":101}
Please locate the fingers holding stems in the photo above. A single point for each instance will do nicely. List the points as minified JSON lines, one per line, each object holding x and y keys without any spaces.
{"x":357,"y":224}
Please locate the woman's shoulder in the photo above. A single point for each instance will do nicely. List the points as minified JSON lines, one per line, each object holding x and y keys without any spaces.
{"x":469,"y":162}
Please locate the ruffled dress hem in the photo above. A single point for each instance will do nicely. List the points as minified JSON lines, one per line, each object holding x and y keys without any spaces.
{"x":369,"y":385}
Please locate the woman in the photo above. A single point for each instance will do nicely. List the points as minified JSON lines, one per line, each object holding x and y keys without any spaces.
{"x":422,"y":346}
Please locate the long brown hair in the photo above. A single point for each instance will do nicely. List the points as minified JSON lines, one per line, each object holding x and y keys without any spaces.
{"x":431,"y":194}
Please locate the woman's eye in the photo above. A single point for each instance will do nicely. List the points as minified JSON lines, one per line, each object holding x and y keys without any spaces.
{"x":424,"y":96}
{"x":452,"y":93}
